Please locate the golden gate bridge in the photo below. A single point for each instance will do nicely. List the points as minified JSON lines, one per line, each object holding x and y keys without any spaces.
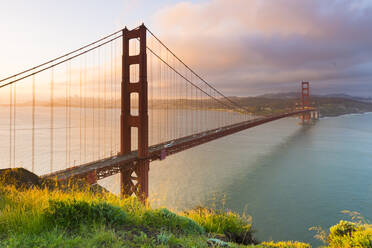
{"x":113,"y":106}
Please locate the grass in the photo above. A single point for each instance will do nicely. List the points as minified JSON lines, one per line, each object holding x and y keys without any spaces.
{"x":42,"y":218}
{"x":38,"y":216}
{"x":79,"y":217}
{"x":234,"y":226}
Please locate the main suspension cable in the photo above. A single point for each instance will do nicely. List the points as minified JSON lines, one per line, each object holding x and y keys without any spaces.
{"x":60,"y":57}
{"x":58,"y":63}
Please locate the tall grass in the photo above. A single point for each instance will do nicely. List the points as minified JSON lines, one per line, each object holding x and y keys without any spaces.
{"x":236,"y":227}
{"x":24,"y":211}
{"x":78,"y":217}
{"x":39,"y":217}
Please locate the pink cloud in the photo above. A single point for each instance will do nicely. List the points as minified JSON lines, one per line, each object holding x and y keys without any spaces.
{"x":271,"y":41}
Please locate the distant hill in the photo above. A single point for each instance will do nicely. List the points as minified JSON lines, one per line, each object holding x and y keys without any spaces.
{"x":289,"y":95}
{"x":329,"y":105}
{"x":346,"y":96}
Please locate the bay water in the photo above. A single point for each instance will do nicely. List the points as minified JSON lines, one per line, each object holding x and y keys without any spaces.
{"x":288,"y":177}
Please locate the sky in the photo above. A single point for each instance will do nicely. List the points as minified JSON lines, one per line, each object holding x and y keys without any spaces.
{"x":243,"y":47}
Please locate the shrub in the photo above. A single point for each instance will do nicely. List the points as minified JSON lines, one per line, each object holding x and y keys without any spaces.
{"x":163,"y":238}
{"x":71,"y":214}
{"x":349,"y":234}
{"x":341,"y":229}
{"x":236,"y":227}
{"x":163,"y":218}
{"x":20,"y":178}
{"x":285,"y":244}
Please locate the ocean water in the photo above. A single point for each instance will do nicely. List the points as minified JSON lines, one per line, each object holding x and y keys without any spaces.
{"x":288,"y":177}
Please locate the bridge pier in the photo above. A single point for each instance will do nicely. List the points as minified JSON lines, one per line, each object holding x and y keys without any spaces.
{"x":134,"y":178}
{"x":314,"y":115}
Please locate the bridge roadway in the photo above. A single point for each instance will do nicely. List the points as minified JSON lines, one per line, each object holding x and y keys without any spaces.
{"x":110,"y":166}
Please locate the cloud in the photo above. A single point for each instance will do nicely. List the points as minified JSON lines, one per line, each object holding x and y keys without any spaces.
{"x":254,"y":43}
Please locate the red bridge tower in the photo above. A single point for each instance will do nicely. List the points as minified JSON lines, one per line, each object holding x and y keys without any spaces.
{"x":305,"y":95}
{"x":134,"y":178}
{"x":305,"y":102}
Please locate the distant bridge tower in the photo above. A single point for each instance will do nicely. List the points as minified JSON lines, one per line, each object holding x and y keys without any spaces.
{"x":134,"y":178}
{"x":305,"y":95}
{"x":305,"y":102}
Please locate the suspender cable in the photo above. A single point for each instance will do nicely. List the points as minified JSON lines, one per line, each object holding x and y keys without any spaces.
{"x":33,"y":124}
{"x":192,"y":104}
{"x":10,"y":123}
{"x":14,"y":123}
{"x":187,"y":109}
{"x":69,"y":115}
{"x":94,"y":108}
{"x":51,"y":120}
{"x":99,"y":100}
{"x":66,"y":116}
{"x":111,"y":100}
{"x":80,"y":110}
{"x":115,"y":99}
{"x":175,"y":101}
{"x":161,"y":100}
{"x":167,"y":100}
{"x":103,"y":104}
{"x":85,"y":107}
{"x":198,"y":126}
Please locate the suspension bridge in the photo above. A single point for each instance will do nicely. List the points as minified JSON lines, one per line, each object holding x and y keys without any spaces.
{"x":113,"y":106}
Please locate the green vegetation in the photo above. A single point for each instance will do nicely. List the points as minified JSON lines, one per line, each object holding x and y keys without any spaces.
{"x":350,"y":234}
{"x":39,"y":215}
{"x":34,"y":215}
{"x":236,"y":227}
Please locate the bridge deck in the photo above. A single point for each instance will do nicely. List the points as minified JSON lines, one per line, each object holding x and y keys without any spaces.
{"x":112,"y":165}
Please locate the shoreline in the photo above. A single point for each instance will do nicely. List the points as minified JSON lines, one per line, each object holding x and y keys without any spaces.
{"x":348,"y":114}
